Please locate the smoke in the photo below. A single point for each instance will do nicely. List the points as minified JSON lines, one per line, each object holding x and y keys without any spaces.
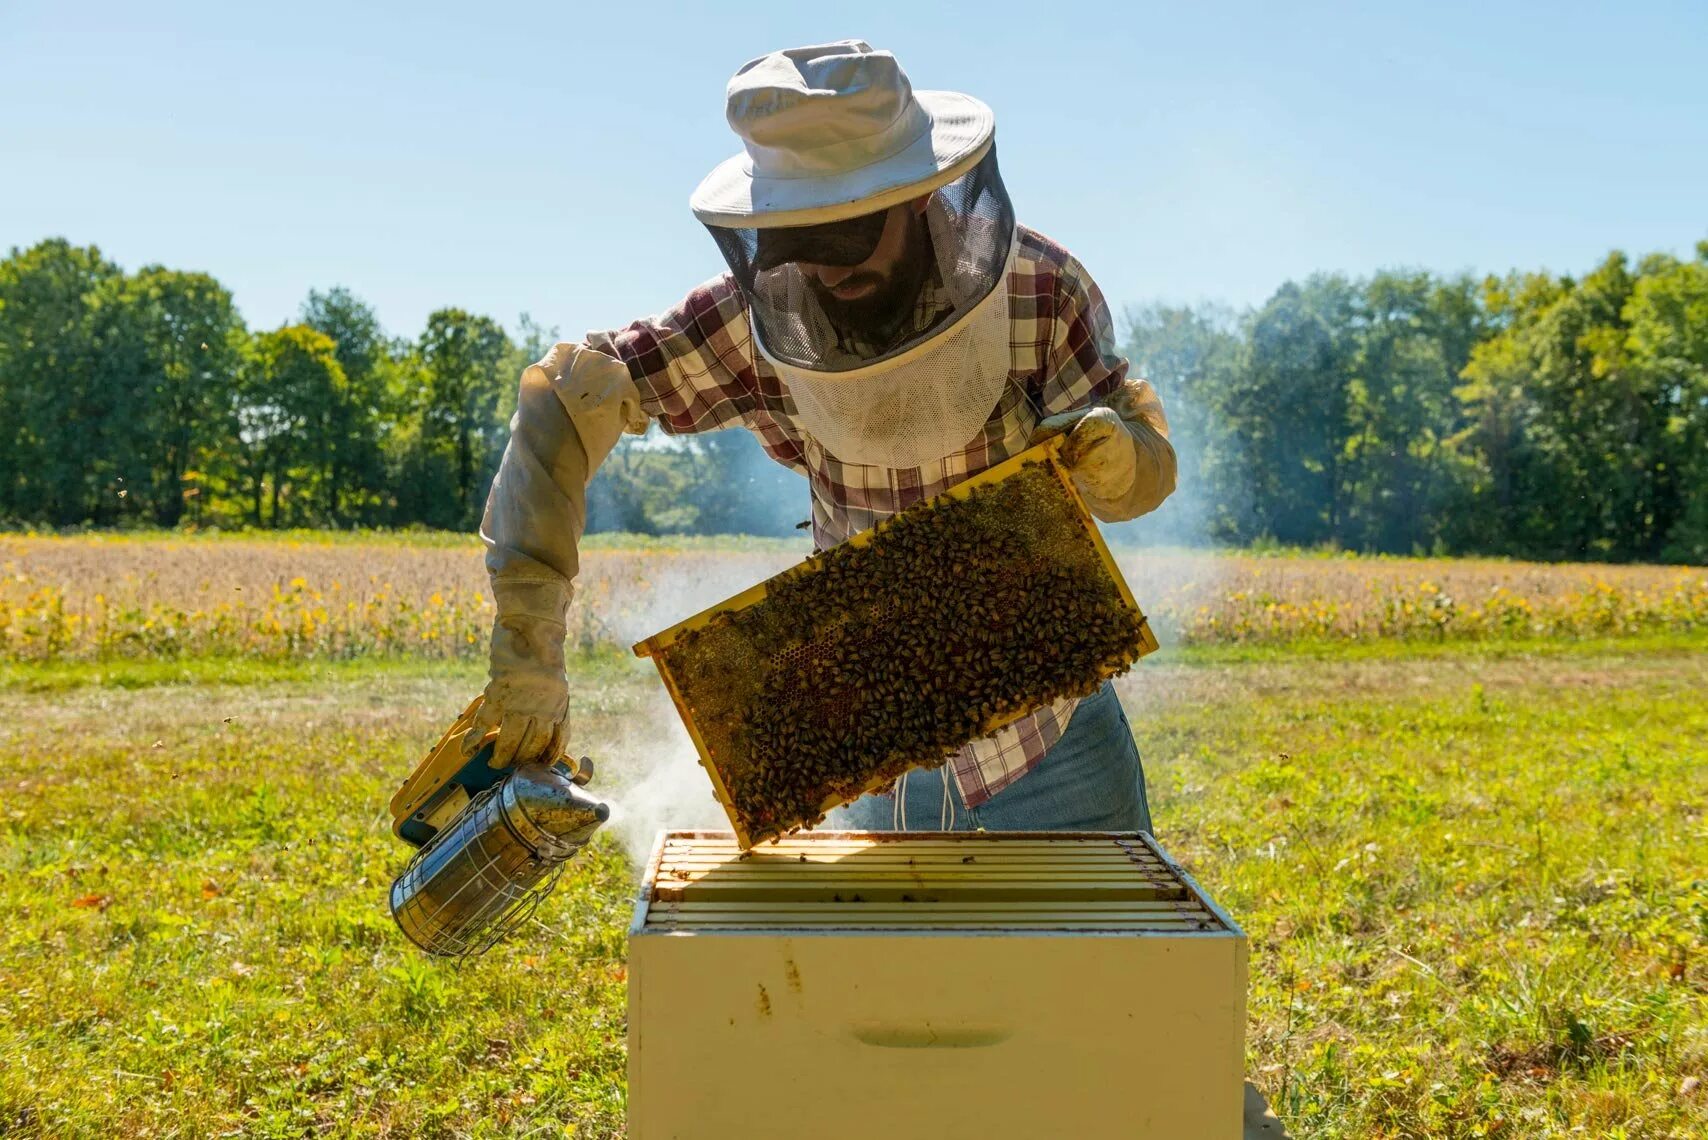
{"x":1168,"y":580}
{"x":1187,"y":352}
{"x":1169,"y":556}
{"x":714,"y":482}
{"x":655,"y":780}
{"x":686,"y":584}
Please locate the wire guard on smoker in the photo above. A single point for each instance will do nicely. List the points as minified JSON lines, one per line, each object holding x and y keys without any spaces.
{"x":486,"y":872}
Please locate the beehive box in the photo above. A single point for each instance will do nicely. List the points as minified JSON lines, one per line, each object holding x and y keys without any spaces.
{"x":846,"y":984}
{"x":892,"y":650}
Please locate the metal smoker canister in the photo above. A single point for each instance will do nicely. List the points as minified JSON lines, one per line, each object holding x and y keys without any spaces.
{"x":485,"y":872}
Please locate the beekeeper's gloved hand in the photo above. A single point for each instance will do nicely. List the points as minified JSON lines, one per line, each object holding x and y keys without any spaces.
{"x":1119,"y":453}
{"x":526,"y":701}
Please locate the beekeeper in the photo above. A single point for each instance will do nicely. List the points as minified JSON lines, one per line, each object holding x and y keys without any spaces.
{"x":887,"y":329}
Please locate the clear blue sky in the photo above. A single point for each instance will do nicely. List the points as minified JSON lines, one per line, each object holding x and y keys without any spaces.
{"x":538,"y":157}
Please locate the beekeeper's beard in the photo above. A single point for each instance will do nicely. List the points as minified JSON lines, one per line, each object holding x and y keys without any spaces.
{"x":879,"y":316}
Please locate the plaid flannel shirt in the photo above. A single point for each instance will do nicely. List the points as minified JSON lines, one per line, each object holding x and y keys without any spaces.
{"x":697,"y":370}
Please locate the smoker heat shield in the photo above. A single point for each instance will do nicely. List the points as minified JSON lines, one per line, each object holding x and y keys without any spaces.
{"x":937,"y":627}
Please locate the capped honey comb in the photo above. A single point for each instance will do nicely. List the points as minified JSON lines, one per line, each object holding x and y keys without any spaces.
{"x":893,"y":650}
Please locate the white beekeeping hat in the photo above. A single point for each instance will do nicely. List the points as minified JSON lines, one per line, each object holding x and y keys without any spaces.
{"x":834,"y":131}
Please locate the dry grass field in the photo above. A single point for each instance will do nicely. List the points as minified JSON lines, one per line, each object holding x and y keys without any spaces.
{"x":325,"y":596}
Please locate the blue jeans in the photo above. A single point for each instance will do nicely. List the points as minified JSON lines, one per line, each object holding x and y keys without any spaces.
{"x":1091,"y":780}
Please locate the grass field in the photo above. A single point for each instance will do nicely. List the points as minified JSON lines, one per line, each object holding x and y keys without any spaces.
{"x":1474,"y":872}
{"x":330,"y":596}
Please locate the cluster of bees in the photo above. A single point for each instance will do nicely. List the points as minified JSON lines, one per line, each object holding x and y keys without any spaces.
{"x":869,"y":660}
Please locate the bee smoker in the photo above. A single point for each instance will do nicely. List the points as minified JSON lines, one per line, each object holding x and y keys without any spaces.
{"x":492,"y":843}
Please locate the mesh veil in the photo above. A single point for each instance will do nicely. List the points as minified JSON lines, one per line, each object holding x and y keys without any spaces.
{"x":971,"y":226}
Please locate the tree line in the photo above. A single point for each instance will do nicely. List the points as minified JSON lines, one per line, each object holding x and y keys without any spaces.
{"x":142,"y":399}
{"x":1530,"y":415}
{"x":1533,"y":415}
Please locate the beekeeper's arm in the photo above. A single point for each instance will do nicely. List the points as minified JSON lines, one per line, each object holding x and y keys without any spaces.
{"x":570,"y":411}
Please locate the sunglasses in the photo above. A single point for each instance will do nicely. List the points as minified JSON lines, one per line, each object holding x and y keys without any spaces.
{"x":847,"y":241}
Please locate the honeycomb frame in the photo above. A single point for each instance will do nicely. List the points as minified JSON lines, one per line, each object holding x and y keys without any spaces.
{"x":789,"y":688}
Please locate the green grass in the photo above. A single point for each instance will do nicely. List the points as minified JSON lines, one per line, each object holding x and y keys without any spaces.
{"x":147,"y":672}
{"x":1393,"y":649}
{"x":150,"y":672}
{"x":1476,"y":885}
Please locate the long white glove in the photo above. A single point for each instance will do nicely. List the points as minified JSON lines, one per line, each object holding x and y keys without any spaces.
{"x":1119,"y":453}
{"x":570,"y":411}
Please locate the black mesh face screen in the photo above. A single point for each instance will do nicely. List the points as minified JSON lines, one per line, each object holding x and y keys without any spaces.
{"x":968,"y":226}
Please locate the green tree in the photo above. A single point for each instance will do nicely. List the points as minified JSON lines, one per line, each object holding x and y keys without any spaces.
{"x":1287,"y":404}
{"x":1533,"y":415}
{"x":56,"y":399}
{"x":461,"y":365}
{"x":1493,"y":509}
{"x":1412,"y":333}
{"x":184,"y":342}
{"x":354,"y":477}
{"x":292,"y":389}
{"x":1581,"y":423}
{"x":1667,"y":348}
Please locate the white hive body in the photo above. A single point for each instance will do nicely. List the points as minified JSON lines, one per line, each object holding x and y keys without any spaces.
{"x":852,"y":984}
